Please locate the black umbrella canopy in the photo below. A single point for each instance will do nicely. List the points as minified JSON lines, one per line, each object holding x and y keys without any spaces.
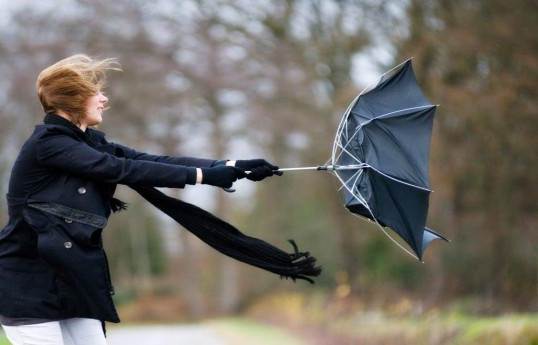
{"x":385,"y":134}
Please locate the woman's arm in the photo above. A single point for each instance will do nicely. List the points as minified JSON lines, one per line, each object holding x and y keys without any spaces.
{"x":186,"y":161}
{"x":62,"y":152}
{"x":58,"y":151}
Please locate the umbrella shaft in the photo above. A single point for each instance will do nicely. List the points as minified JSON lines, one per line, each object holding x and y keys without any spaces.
{"x":327,"y":167}
{"x":301,"y":168}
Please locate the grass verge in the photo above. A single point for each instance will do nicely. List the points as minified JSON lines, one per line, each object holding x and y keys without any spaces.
{"x":240,"y":331}
{"x":353,"y":322}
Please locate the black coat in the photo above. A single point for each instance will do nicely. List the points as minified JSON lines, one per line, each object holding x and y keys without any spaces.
{"x":52,"y":262}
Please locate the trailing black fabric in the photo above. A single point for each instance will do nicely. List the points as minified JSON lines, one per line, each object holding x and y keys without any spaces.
{"x":231,"y":242}
{"x":117,"y":205}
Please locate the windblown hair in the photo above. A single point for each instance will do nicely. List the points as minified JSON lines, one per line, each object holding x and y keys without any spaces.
{"x":68,"y":84}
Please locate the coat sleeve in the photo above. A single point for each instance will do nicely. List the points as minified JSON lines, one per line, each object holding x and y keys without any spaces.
{"x":186,"y":161}
{"x":62,"y":152}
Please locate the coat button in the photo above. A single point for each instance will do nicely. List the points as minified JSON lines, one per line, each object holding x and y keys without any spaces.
{"x":68,"y":245}
{"x":82,"y":190}
{"x":68,"y":221}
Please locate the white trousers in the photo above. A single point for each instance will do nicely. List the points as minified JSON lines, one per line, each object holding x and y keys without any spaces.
{"x":76,"y":331}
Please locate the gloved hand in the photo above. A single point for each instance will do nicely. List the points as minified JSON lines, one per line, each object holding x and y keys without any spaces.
{"x":222,"y":176}
{"x":259,"y":168}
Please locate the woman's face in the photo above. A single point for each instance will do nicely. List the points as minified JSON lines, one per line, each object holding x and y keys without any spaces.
{"x":94,"y":110}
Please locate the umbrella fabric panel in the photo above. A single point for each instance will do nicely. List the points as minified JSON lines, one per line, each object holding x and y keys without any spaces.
{"x":391,"y":204}
{"x":429,"y":236}
{"x":398,"y":92}
{"x":400,"y":207}
{"x":381,"y":153}
{"x":396,"y":216}
{"x":400,"y":146}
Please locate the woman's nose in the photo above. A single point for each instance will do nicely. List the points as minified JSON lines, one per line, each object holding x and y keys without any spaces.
{"x":103,"y":99}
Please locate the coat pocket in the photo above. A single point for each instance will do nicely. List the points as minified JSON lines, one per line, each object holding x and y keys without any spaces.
{"x":64,"y":226}
{"x":61,"y":242}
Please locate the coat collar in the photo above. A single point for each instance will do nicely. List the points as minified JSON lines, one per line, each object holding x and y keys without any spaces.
{"x":90,"y":135}
{"x":54,"y":119}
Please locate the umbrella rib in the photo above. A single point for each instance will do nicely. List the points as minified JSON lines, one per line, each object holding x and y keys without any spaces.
{"x":343,"y":122}
{"x":361,"y":200}
{"x":359,"y":127}
{"x":389,"y":236}
{"x":343,"y":149}
{"x":399,"y":110}
{"x":359,"y":172}
{"x":348,"y":141}
{"x":370,"y":121}
{"x":338,"y":143}
{"x":399,"y":181}
{"x":376,"y":81}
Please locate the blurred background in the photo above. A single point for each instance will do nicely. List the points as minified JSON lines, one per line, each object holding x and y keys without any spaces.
{"x":246,"y":79}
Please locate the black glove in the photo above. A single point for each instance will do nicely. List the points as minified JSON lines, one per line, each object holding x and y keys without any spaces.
{"x":259,"y":168}
{"x":222,"y":176}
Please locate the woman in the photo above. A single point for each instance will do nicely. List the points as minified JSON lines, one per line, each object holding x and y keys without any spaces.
{"x":56,"y":287}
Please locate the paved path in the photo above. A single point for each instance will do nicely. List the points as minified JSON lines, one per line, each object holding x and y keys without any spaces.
{"x":163,"y":335}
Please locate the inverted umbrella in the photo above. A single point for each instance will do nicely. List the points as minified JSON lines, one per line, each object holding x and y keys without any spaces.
{"x":380,"y":157}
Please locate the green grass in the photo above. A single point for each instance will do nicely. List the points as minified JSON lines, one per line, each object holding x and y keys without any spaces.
{"x":435,"y":328}
{"x":3,"y":340}
{"x":443,"y":329}
{"x":507,"y":329}
{"x":400,"y":322}
{"x":240,"y":331}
